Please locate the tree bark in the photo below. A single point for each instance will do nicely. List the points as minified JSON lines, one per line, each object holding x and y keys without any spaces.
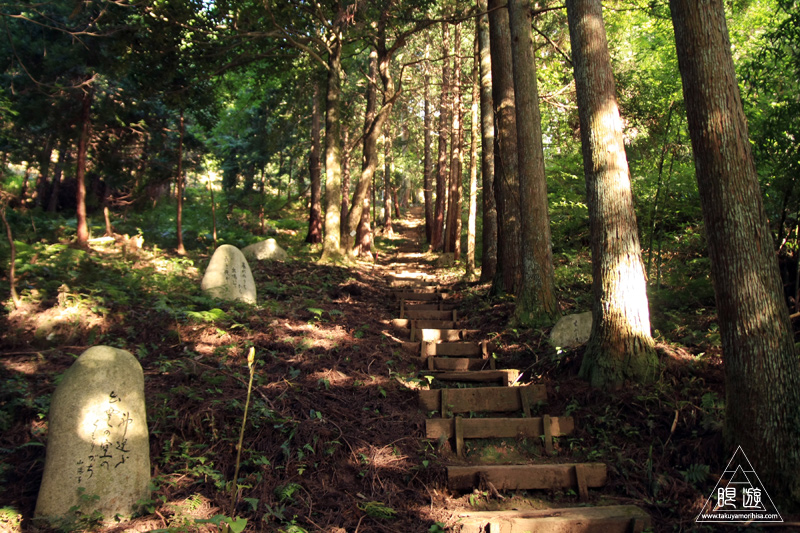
{"x":489,"y":233}
{"x":427,"y":184}
{"x":453,"y":237}
{"x":762,"y":378}
{"x":80,"y":173}
{"x":509,"y":272}
{"x":388,"y":170}
{"x":331,"y":249}
{"x":620,"y":347}
{"x":472,"y":217}
{"x":179,"y":188}
{"x":437,"y":236}
{"x":345,"y":182}
{"x":315,"y":174}
{"x":536,"y":302}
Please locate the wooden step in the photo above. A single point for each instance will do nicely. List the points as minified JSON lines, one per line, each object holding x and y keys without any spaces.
{"x":442,"y":334}
{"x":419,"y":296}
{"x":483,"y":400}
{"x":408,"y":323}
{"x":606,"y":519}
{"x":455,"y":348}
{"x":411,"y":283}
{"x":418,"y":290}
{"x":413,"y":313}
{"x":456,"y":363}
{"x":498,"y":428}
{"x":579,"y":476}
{"x":504,"y":377}
{"x":405,"y":275}
{"x":441,"y":305}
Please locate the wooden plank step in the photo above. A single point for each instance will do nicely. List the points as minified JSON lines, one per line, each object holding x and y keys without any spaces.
{"x":445,"y":335}
{"x":414,"y":313}
{"x":411,"y":283}
{"x":456,"y":348}
{"x":527,"y":477}
{"x":418,"y":290}
{"x":456,"y":363}
{"x":498,"y":428}
{"x":487,"y":399}
{"x":410,"y":323}
{"x":504,"y":377}
{"x":417,"y":296}
{"x":606,"y":519}
{"x":441,"y":305}
{"x":411,"y":275}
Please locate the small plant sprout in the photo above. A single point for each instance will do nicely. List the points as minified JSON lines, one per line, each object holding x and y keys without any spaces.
{"x":251,"y":357}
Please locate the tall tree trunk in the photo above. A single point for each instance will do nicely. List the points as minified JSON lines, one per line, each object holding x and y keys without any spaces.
{"x":427,"y":183}
{"x":179,"y":187}
{"x":620,"y":347}
{"x":473,"y":165}
{"x":213,"y":212}
{"x":80,"y":173}
{"x":453,"y":237}
{"x":762,"y":378}
{"x":345,"y":183}
{"x":315,"y":174}
{"x":506,"y":174}
{"x":369,"y":161}
{"x":44,"y":170}
{"x":437,"y":236}
{"x":12,"y":282}
{"x":331,"y":249}
{"x":64,"y":158}
{"x":388,"y":167}
{"x":489,"y":233}
{"x":536,"y":302}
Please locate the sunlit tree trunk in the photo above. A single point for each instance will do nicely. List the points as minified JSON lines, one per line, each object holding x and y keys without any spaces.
{"x":536,"y":302}
{"x":331,"y":250}
{"x":80,"y":173}
{"x":437,"y":236}
{"x":388,"y":166}
{"x":427,"y":183}
{"x":473,"y":167}
{"x":762,"y":378}
{"x":315,"y":174}
{"x":64,"y":158}
{"x":369,"y":162}
{"x":506,"y":174}
{"x":489,"y":234}
{"x":345,"y":182}
{"x":620,"y":347}
{"x":179,"y":187}
{"x":453,"y":237}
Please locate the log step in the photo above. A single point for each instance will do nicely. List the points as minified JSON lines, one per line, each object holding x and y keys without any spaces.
{"x":419,"y":296}
{"x":456,"y":363}
{"x":455,"y":348}
{"x":579,"y":476}
{"x":441,"y":305}
{"x":504,"y":377}
{"x":444,"y":335}
{"x":414,"y":313}
{"x":608,"y":519}
{"x":483,"y":400}
{"x":411,"y":323}
{"x":498,"y":428}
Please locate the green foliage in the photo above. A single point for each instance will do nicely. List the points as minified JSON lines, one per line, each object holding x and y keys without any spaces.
{"x":378,"y":510}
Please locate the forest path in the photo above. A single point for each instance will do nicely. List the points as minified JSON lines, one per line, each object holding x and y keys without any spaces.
{"x":492,"y":430}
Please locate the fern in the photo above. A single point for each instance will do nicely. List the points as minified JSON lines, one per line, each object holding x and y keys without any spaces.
{"x":286,"y":492}
{"x":378,"y":510}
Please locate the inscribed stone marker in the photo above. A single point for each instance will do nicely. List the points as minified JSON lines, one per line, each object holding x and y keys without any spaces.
{"x":572,"y":330}
{"x":228,"y":276}
{"x":97,"y":438}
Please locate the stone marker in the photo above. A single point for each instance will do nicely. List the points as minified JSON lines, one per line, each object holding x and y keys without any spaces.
{"x":98,"y":453}
{"x":265,"y":251}
{"x":228,"y":276}
{"x":572,"y":330}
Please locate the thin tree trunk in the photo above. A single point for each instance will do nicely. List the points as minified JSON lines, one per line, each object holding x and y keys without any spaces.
{"x":437,"y":236}
{"x":315,"y":174}
{"x":489,"y":233}
{"x":654,"y":209}
{"x":388,"y":163}
{"x":762,"y":377}
{"x":509,"y":271}
{"x":179,"y":187}
{"x":536,"y":302}
{"x":473,"y":165}
{"x":44,"y":170}
{"x":331,"y":249}
{"x":369,"y":162}
{"x":427,"y":184}
{"x":620,"y":347}
{"x":12,"y":267}
{"x":23,"y":191}
{"x":453,"y":237}
{"x":213,"y":212}
{"x":345,"y":183}
{"x":64,"y":158}
{"x":80,"y":173}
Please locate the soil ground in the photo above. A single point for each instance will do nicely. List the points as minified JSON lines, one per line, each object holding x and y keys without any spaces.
{"x":334,"y":440}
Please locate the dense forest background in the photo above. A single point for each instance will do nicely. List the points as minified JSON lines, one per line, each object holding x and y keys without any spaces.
{"x":176,"y":126}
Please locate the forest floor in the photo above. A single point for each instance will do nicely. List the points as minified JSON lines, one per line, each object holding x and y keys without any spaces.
{"x":334,"y":438}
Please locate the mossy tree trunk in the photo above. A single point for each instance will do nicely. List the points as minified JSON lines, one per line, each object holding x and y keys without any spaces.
{"x":762,"y":378}
{"x":620,"y":347}
{"x":536,"y":298}
{"x":331,"y":248}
